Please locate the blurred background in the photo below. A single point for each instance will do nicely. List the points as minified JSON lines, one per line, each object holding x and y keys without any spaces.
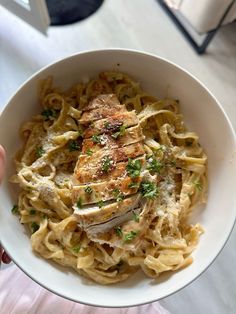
{"x":198,"y":35}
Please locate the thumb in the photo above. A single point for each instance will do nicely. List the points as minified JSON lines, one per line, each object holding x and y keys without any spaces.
{"x":2,"y":162}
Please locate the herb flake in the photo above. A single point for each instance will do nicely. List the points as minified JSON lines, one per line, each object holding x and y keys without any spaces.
{"x":133,"y":168}
{"x":39,"y":151}
{"x":198,"y":185}
{"x":106,"y":163}
{"x":119,"y":231}
{"x":97,"y":139}
{"x":76,"y":249}
{"x":79,"y":203}
{"x":106,"y":125}
{"x":48,"y":114}
{"x":89,"y":152}
{"x":154,"y":165}
{"x":148,"y":189}
{"x":119,"y":133}
{"x":100,"y":204}
{"x":88,"y":189}
{"x":34,"y":227}
{"x":118,"y":195}
{"x":135,"y":217}
{"x":15,"y":209}
{"x":73,"y":146}
{"x":133,"y":185}
{"x":130,"y":236}
{"x":32,"y":211}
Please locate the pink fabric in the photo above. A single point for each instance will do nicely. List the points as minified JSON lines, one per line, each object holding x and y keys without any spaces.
{"x":20,"y":295}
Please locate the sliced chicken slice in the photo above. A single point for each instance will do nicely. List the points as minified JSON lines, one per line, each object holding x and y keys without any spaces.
{"x":101,"y":113}
{"x":110,"y":157}
{"x":113,"y":189}
{"x":112,"y":124}
{"x":88,"y":175}
{"x":99,"y":229}
{"x":127,"y":235}
{"x":90,"y":215}
{"x":104,"y":100}
{"x":107,"y":141}
{"x":100,"y":108}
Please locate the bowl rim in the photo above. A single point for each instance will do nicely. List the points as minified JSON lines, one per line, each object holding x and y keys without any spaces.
{"x":180,"y":68}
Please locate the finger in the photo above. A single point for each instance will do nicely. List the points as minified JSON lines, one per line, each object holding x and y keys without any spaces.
{"x":5,"y":258}
{"x":1,"y":252}
{"x":2,"y":162}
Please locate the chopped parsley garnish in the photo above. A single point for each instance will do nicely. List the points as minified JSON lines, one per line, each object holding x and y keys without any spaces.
{"x":88,"y":189}
{"x":39,"y":151}
{"x":118,"y":195}
{"x":119,"y":133}
{"x":76,"y":249}
{"x":100,"y":204}
{"x":154,"y":165}
{"x":148,"y":189}
{"x":135,"y":217}
{"x":97,"y":139}
{"x":32,"y":212}
{"x":134,"y":168}
{"x":162,"y":148}
{"x":15,"y":209}
{"x":172,"y":163}
{"x":73,"y":146}
{"x":89,"y":152}
{"x":106,"y":125}
{"x":79,"y":203}
{"x":198,"y":185}
{"x":48,"y":114}
{"x":133,"y":185}
{"x":34,"y":227}
{"x":130,"y":236}
{"x":106,"y":163}
{"x":116,"y":192}
{"x":118,"y":231}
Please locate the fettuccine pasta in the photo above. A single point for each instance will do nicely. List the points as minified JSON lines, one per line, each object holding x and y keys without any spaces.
{"x":45,"y":167}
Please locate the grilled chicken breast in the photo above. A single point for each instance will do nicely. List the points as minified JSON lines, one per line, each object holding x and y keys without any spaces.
{"x":109,"y":170}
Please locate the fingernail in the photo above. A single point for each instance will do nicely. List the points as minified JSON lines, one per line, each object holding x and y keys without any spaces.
{"x":5,"y":258}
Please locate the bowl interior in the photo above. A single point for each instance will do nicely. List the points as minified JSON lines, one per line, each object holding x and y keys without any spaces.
{"x":201,"y":114}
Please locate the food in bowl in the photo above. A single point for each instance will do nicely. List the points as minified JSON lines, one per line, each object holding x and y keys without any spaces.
{"x":108,"y":176}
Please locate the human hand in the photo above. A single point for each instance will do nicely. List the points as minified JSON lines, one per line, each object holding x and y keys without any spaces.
{"x":3,"y":256}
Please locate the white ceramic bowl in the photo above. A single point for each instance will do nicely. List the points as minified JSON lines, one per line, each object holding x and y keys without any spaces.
{"x":202,"y":114}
